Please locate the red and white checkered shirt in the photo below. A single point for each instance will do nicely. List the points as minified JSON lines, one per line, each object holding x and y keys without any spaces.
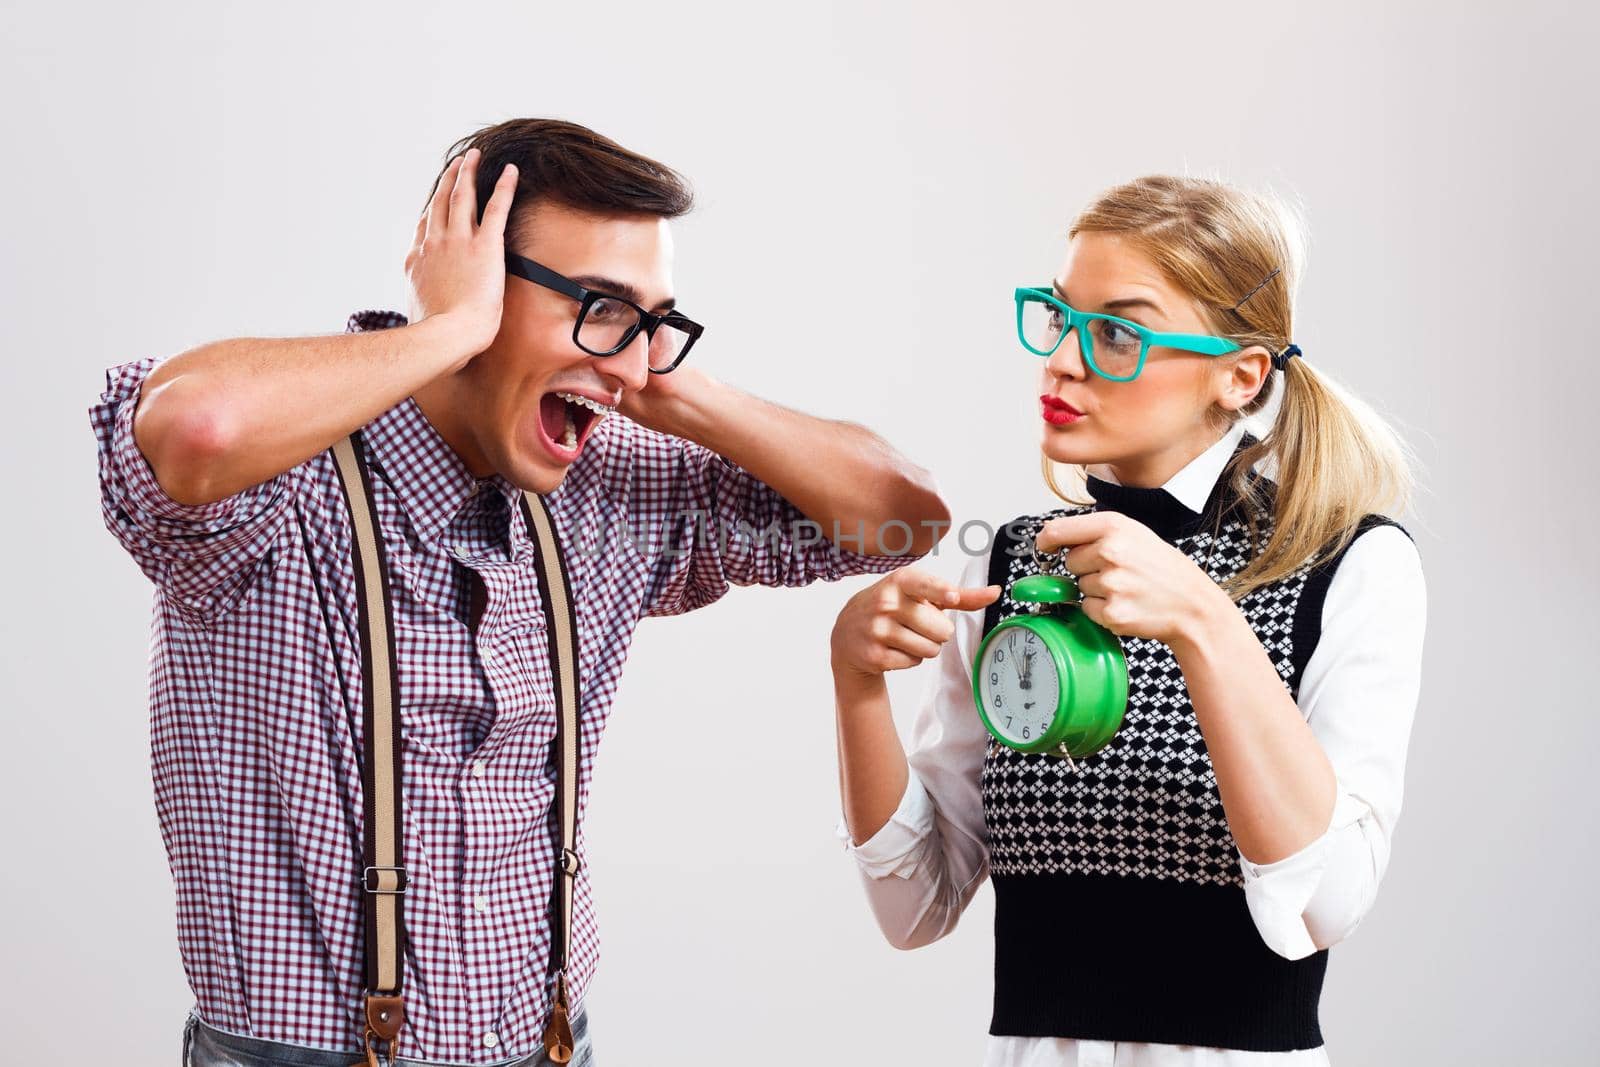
{"x":255,"y":702}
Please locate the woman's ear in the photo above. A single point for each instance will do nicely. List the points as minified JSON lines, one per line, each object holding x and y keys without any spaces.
{"x":1246,"y":374}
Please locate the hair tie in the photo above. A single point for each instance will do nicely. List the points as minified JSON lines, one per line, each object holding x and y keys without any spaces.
{"x":1281,"y":360}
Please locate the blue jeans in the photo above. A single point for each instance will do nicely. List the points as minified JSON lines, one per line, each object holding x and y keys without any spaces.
{"x":206,"y":1046}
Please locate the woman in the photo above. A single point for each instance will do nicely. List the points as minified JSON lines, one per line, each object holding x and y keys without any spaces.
{"x":1170,"y":898}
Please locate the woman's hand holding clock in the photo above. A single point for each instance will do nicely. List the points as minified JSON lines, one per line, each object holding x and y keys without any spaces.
{"x":1132,"y":582}
{"x":899,"y":621}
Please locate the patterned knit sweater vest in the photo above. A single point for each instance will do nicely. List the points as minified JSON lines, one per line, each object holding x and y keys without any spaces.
{"x":1119,"y":905}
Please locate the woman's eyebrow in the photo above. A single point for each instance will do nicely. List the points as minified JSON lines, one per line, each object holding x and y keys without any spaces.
{"x":1133,"y":302}
{"x":1112,"y":305}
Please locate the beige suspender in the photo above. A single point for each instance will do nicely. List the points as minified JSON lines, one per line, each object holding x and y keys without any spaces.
{"x":383,"y":876}
{"x":556,"y":593}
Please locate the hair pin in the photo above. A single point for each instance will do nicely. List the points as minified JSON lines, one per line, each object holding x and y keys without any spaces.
{"x":1257,"y":289}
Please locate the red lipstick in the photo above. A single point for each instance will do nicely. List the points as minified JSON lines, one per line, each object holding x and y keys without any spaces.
{"x":1058,"y":412}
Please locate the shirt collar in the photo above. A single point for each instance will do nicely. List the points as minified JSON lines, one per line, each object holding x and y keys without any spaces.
{"x":430,"y":479}
{"x":1193,"y":482}
{"x":1177,"y":507}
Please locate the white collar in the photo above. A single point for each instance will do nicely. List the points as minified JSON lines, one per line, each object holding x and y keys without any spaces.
{"x":1192,"y":485}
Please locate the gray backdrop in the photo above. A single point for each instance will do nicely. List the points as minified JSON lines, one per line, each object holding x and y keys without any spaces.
{"x":190,"y":171}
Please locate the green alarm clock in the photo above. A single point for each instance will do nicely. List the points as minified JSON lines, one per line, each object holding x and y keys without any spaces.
{"x":1051,"y":680}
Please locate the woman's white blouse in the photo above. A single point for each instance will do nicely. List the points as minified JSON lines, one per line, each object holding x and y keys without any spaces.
{"x":1358,"y":693}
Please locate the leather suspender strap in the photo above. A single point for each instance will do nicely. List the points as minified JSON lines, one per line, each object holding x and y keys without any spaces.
{"x":556,"y":593}
{"x":383,"y":875}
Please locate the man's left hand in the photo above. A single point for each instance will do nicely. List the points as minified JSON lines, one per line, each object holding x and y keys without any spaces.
{"x":669,"y":402}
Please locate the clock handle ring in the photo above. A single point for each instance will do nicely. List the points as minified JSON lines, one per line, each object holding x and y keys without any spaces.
{"x":1054,"y":563}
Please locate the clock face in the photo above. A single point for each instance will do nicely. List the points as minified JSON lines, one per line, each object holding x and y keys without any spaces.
{"x":1019,"y":685}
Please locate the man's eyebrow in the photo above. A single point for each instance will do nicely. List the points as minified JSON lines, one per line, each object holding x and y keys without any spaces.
{"x":622,"y":289}
{"x":1113,"y":305}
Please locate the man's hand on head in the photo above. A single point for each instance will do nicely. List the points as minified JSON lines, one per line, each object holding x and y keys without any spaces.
{"x":456,"y":266}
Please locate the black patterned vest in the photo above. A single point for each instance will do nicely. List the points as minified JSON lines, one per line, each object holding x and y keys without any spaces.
{"x":1119,"y":906}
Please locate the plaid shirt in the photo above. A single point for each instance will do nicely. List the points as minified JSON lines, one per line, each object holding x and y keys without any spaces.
{"x":255,"y":703}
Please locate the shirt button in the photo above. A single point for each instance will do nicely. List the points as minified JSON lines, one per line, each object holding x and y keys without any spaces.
{"x":479,"y":768}
{"x":460,"y":552}
{"x":491,"y":1039}
{"x":481,"y":903}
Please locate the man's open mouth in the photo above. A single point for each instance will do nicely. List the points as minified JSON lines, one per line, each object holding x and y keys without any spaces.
{"x":568,"y":418}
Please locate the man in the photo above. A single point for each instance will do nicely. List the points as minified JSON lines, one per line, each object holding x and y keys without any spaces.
{"x":565,"y":379}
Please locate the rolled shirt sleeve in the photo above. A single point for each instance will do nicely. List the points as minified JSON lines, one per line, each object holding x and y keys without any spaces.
{"x":199,"y":554}
{"x":1359,"y":695}
{"x":708,"y":524}
{"x":896,"y":849}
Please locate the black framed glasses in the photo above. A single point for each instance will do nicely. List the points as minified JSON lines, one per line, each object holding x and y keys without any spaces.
{"x":608,"y":323}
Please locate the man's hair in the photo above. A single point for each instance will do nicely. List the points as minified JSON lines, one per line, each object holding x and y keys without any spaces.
{"x":573,"y":166}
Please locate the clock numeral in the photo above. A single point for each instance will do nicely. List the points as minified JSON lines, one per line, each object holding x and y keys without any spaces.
{"x":1008,"y":720}
{"x":994,"y":678}
{"x":1025,"y":733}
{"x":999,"y":655}
{"x":997,"y":700}
{"x":1031,"y":636}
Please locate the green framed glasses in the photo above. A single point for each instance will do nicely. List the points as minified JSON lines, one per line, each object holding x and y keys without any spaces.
{"x":1113,"y":348}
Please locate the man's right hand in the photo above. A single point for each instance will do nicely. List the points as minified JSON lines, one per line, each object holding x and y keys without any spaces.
{"x":456,"y":266}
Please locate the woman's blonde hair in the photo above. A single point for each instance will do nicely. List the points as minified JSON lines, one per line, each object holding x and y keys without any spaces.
{"x":1336,"y":458}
